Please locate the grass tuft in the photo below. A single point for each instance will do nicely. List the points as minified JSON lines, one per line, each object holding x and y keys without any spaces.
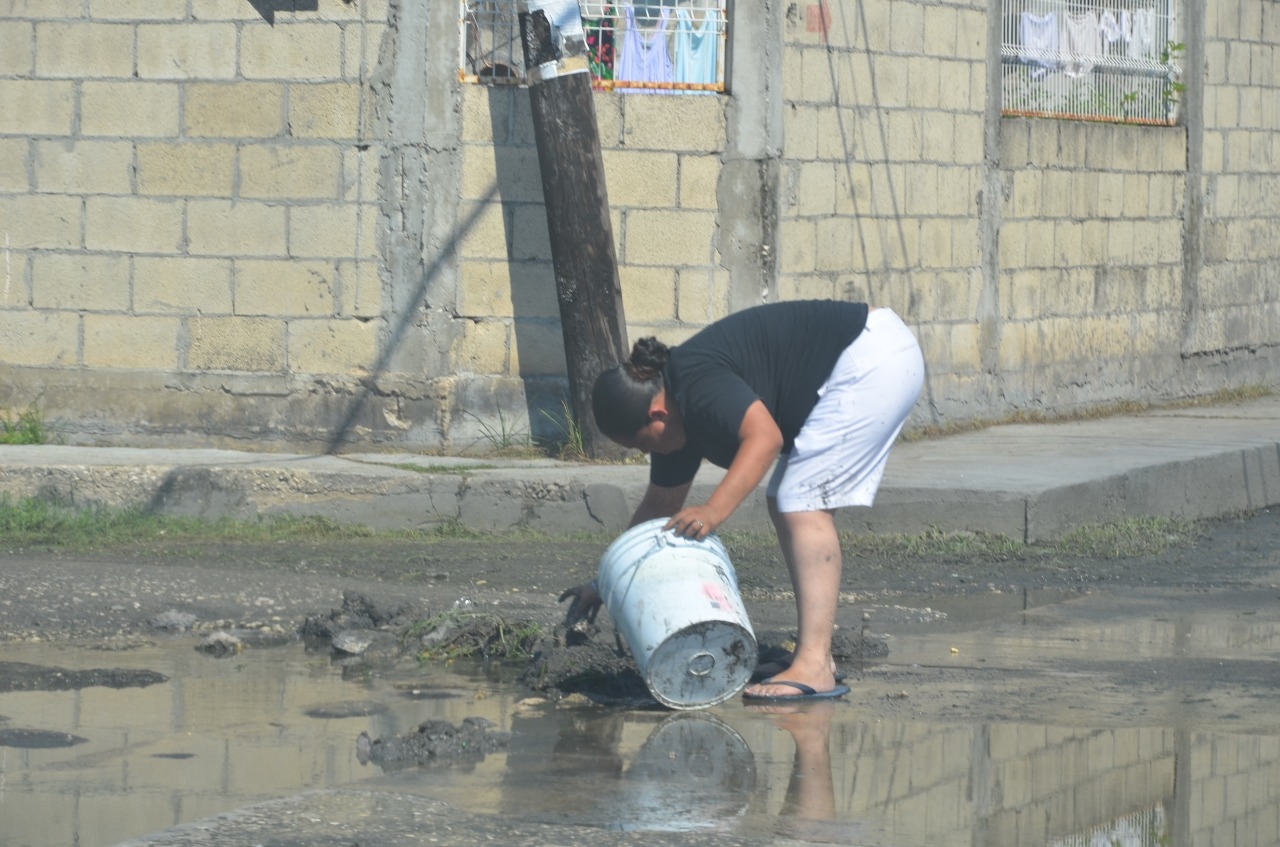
{"x":27,"y":428}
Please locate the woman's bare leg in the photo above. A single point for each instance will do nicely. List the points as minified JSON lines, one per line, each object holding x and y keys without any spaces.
{"x":811,"y":548}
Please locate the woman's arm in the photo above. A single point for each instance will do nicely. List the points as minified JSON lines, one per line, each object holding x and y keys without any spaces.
{"x":660,"y":502}
{"x":759,"y":441}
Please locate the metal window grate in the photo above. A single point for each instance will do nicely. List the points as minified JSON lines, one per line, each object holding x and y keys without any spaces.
{"x":664,"y":46}
{"x":1108,"y":60}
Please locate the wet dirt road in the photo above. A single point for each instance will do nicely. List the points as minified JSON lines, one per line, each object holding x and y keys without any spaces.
{"x":1020,"y":702}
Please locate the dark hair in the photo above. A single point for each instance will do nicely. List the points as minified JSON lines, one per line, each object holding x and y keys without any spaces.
{"x":621,"y":395}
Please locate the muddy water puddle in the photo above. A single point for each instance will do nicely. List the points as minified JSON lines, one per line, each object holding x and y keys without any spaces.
{"x":1140,"y":720}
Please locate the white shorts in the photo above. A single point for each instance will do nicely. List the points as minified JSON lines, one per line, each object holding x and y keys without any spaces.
{"x":840,"y":452}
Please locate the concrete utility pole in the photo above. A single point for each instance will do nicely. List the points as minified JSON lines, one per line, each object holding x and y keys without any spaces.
{"x":582,"y":251}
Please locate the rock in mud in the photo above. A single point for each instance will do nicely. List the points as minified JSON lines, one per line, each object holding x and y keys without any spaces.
{"x":434,"y":744}
{"x":358,"y":612}
{"x":220,"y":645}
{"x":173,"y":621}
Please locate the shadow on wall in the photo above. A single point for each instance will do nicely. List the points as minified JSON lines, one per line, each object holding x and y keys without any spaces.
{"x":268,"y":8}
{"x":537,"y":342}
{"x":404,"y":321}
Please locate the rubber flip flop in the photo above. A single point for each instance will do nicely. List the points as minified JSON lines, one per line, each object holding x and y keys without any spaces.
{"x":806,"y":692}
{"x":761,"y":675}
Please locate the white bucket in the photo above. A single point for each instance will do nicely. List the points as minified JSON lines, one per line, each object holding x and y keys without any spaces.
{"x":676,"y":603}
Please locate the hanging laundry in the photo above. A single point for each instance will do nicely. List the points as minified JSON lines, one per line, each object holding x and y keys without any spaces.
{"x":1112,"y":30}
{"x":1142,"y":39}
{"x":1040,"y":41}
{"x":644,"y":56}
{"x":696,"y":47}
{"x":599,"y":38}
{"x":1084,"y":43}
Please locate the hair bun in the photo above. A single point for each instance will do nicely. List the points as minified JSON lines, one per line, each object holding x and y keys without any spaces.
{"x":648,"y":358}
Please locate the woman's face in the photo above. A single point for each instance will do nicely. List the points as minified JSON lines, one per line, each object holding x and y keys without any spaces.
{"x":664,"y":433}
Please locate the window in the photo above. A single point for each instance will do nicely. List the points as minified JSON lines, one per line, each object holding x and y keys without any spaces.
{"x":1109,"y":60}
{"x":664,"y":46}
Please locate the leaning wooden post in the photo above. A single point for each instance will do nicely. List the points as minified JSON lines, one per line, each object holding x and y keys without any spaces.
{"x":586,"y":266}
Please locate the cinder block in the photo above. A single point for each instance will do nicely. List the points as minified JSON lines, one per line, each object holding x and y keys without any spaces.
{"x":482,"y":108}
{"x":485,"y":235}
{"x":182,"y":285}
{"x":235,"y":344}
{"x":360,"y":290}
{"x":800,"y":131}
{"x":510,"y":174}
{"x":482,"y":348}
{"x":925,"y":82}
{"x":133,"y":225}
{"x":324,"y":110}
{"x":702,"y":295}
{"x":935,"y":243}
{"x":295,"y":171}
{"x":40,"y":338}
{"x":36,"y":107}
{"x":284,"y":288}
{"x":185,"y":169}
{"x":361,"y":171}
{"x":83,"y":167}
{"x":130,"y":341}
{"x":538,"y":350}
{"x":363,"y":45}
{"x":40,"y":221}
{"x":835,"y":244}
{"x":137,"y":10}
{"x":680,"y":124}
{"x":292,"y":51}
{"x":187,"y":51}
{"x":922,"y":189}
{"x":530,"y":237}
{"x":80,"y":281}
{"x":134,"y":109}
{"x":797,"y":246}
{"x":13,"y":164}
{"x":235,"y":228}
{"x":699,"y":181}
{"x":335,"y":346}
{"x":83,"y":50}
{"x":665,"y":237}
{"x":234,"y":110}
{"x":815,"y":188}
{"x":907,"y":28}
{"x":648,"y":294}
{"x":817,"y":81}
{"x":17,"y":48}
{"x":485,"y":289}
{"x":333,"y":230}
{"x":225,"y":10}
{"x":640,"y":179}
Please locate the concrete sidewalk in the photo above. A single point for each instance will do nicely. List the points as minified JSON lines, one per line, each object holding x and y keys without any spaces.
{"x":1027,"y":481}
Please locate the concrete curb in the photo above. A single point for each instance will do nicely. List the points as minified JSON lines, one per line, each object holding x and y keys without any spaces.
{"x":1027,"y":481}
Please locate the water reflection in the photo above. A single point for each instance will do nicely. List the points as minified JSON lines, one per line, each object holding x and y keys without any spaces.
{"x":222,"y":734}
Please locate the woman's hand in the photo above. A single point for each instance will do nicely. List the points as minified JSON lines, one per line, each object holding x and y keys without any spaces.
{"x":695,"y":522}
{"x":585,"y":606}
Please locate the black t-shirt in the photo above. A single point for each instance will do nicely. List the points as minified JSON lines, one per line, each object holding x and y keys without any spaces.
{"x":779,"y":353}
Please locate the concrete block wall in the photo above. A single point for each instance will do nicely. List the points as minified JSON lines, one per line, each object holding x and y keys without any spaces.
{"x":883,"y":169}
{"x":661,"y":158}
{"x":1090,"y":260}
{"x":1237,"y":300}
{"x":220,"y":229}
{"x":185,"y":199}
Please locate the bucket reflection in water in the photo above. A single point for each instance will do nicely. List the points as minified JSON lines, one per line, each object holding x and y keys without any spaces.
{"x":693,"y":772}
{"x":675,"y":601}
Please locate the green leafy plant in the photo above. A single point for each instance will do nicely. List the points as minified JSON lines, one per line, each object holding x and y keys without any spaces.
{"x":505,"y":437}
{"x":569,"y":445}
{"x":27,"y":428}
